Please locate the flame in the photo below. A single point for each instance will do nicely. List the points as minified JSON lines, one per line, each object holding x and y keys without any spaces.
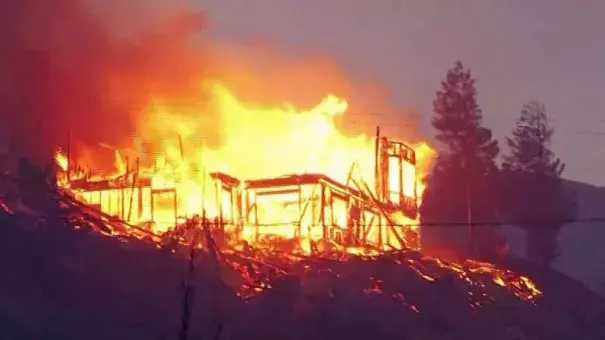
{"x":257,"y":141}
{"x":61,"y":160}
{"x":263,"y":142}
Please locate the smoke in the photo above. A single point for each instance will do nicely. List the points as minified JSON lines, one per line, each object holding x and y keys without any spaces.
{"x":89,"y":66}
{"x":261,"y":73}
{"x":93,"y":67}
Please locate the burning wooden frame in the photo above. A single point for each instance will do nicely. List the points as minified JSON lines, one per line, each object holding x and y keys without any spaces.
{"x":128,"y":198}
{"x":395,"y":173}
{"x":310,"y":207}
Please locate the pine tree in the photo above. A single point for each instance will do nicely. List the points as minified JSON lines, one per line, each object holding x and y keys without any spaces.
{"x":533,"y":192}
{"x":462,"y":186}
{"x":530,"y":142}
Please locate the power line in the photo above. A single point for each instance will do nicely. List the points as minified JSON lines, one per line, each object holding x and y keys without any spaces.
{"x":465,"y":224}
{"x":511,"y":118}
{"x":419,"y":116}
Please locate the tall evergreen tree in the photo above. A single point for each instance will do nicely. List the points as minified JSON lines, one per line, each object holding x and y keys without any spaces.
{"x":462,"y":186}
{"x":533,"y":194}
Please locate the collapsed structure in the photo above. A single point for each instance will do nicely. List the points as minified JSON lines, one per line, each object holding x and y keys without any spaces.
{"x":310,"y":207}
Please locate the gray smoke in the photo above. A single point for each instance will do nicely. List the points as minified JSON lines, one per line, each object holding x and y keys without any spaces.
{"x":89,"y":66}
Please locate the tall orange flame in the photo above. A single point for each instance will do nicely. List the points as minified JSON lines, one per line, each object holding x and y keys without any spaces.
{"x":256,"y":142}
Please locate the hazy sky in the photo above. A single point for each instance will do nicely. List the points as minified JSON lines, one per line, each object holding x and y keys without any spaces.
{"x":550,"y":50}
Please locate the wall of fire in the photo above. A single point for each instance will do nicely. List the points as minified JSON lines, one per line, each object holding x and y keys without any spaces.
{"x":316,"y":209}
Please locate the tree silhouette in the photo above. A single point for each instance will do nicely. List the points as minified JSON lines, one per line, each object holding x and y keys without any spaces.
{"x":463,"y":185}
{"x":533,"y":194}
{"x":529,"y":145}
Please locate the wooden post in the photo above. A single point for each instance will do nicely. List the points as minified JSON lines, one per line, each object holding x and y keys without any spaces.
{"x":219,"y":205}
{"x":331,"y":203}
{"x":256,"y":215}
{"x":140,"y":191}
{"x":247,"y":207}
{"x":135,"y":178}
{"x":322,"y":198}
{"x":122,"y":192}
{"x":300,"y":208}
{"x":367,"y":229}
{"x":175,"y":205}
{"x":380,"y":227}
{"x":181,"y":148}
{"x":400,"y":173}
{"x":415,"y":183}
{"x":151,"y":205}
{"x":232,"y":205}
{"x":377,"y":177}
{"x":203,"y":188}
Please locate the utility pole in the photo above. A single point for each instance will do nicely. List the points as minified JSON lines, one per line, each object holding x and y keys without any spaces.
{"x":469,"y":201}
{"x":469,"y":218}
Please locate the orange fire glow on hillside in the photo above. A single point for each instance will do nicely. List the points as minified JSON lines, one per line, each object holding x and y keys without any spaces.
{"x":176,"y":175}
{"x":257,"y":142}
{"x":282,"y":182}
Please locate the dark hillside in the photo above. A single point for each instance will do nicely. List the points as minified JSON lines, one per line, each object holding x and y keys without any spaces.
{"x":62,"y":283}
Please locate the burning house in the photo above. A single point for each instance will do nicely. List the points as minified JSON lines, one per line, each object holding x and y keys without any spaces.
{"x":276,"y":204}
{"x":314,"y":208}
{"x":266,"y":180}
